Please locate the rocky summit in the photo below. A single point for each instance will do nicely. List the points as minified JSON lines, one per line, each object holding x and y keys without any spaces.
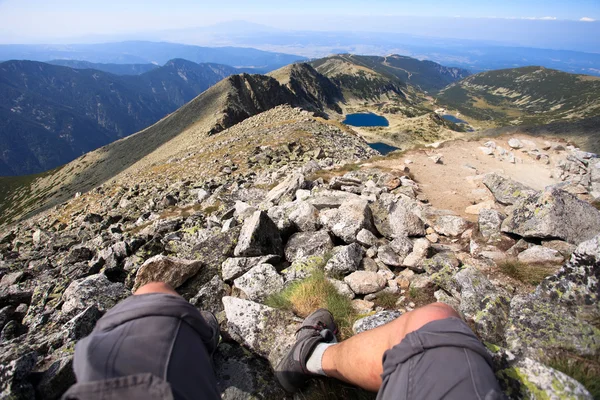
{"x":238,"y":219}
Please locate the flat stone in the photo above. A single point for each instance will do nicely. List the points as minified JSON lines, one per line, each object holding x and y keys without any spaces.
{"x":389,"y":257}
{"x":374,"y":321}
{"x":342,"y":288}
{"x":450,"y":225}
{"x":170,"y":270}
{"x":237,"y":266}
{"x":260,"y":282}
{"x":364,"y":282}
{"x":540,"y":255}
{"x":507,"y":191}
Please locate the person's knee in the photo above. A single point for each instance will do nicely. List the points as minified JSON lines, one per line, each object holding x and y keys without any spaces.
{"x":416,"y":319}
{"x":156,"y":287}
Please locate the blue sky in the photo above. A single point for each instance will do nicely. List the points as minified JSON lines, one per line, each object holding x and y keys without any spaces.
{"x":50,"y":20}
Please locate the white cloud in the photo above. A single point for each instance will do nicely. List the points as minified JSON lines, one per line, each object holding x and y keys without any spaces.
{"x":587,"y":19}
{"x":541,"y":18}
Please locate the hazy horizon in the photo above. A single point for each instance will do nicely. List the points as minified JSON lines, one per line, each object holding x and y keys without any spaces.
{"x":550,"y":24}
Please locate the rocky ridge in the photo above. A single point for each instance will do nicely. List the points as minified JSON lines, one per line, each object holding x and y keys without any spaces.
{"x":271,"y":201}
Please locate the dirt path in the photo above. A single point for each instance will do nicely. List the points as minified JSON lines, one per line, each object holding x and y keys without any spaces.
{"x":457,"y":183}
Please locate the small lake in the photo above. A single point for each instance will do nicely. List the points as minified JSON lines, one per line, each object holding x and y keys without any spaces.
{"x":365,"y":119}
{"x":383,"y":148}
{"x":452,"y":118}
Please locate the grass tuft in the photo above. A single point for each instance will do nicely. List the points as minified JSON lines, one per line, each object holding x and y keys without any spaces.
{"x":386,"y":300}
{"x":585,"y":370}
{"x":531,"y":274}
{"x":421,"y":296}
{"x":305,"y":296}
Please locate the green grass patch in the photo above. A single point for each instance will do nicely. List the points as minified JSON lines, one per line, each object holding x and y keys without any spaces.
{"x":386,"y":300}
{"x":420,"y":296}
{"x":305,"y":296}
{"x":585,"y":370}
{"x":531,"y":274}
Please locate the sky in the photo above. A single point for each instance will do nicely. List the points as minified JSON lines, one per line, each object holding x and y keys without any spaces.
{"x":50,"y":21}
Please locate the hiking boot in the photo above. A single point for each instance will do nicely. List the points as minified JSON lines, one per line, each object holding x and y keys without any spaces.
{"x":213,"y":342}
{"x":318,"y":327}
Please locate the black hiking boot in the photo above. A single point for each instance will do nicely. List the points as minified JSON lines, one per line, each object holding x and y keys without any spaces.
{"x":318,"y":327}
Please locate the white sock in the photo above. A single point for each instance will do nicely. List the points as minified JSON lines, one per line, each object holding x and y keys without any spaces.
{"x":314,"y":363}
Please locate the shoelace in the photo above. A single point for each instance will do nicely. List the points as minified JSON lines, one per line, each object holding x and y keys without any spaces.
{"x":325,"y":332}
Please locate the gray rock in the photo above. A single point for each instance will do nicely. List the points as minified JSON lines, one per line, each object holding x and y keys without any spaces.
{"x":540,"y":255}
{"x":441,"y":261}
{"x":553,"y":214}
{"x":515,"y":143}
{"x":11,"y":330}
{"x":266,"y":331}
{"x":490,"y":222}
{"x":305,"y":217}
{"x":6,"y":314}
{"x":529,"y":379}
{"x":259,"y":236}
{"x":12,"y":278}
{"x":79,"y":254}
{"x":170,"y":270}
{"x":389,"y":256}
{"x":365,"y":282}
{"x":350,"y":219}
{"x":403,"y":246}
{"x":557,"y":316}
{"x":395,"y":218}
{"x":236,"y":267}
{"x":368,"y":264}
{"x":345,"y":259}
{"x":421,"y":249}
{"x":286,"y":190}
{"x":260,"y":282}
{"x":94,"y":290}
{"x":342,"y":288}
{"x":241,"y":376}
{"x":202,"y":195}
{"x":56,"y":380}
{"x":366,"y":238}
{"x":209,"y":296}
{"x":507,"y":191}
{"x":374,"y":321}
{"x":13,"y":383}
{"x":450,"y":225}
{"x":308,"y":244}
{"x":331,"y":198}
{"x":243,"y":210}
{"x":82,"y":324}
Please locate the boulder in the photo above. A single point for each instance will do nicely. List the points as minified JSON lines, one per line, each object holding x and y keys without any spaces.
{"x":308,"y":244}
{"x":170,"y":270}
{"x":259,"y":236}
{"x":450,"y":225}
{"x":82,"y":324}
{"x":366,"y":238}
{"x":421,"y":249}
{"x":56,"y":380}
{"x":350,"y":219}
{"x":395,"y":218}
{"x":342,"y":288}
{"x":374,"y":321}
{"x":552,"y":214}
{"x":529,"y":379}
{"x":403,"y":246}
{"x":95,"y":290}
{"x":389,"y":257}
{"x":365,"y":282}
{"x":331,"y":198}
{"x":260,"y":282}
{"x":557,"y":315}
{"x":236,"y":267}
{"x":507,"y":191}
{"x":305,"y":217}
{"x":266,"y":331}
{"x":345,"y":259}
{"x":490,"y":222}
{"x":286,"y":190}
{"x":515,"y":143}
{"x":209,"y":296}
{"x":540,"y":255}
{"x":240,"y":375}
{"x":13,"y":377}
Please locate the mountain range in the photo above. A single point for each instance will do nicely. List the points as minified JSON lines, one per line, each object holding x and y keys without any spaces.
{"x":52,"y":114}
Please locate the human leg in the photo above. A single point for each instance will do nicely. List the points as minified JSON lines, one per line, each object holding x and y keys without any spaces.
{"x":366,"y":349}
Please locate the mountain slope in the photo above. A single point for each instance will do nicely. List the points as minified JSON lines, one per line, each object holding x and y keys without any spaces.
{"x":427,"y":76}
{"x":50,"y":115}
{"x":531,"y":95}
{"x":117,"y":69}
{"x":227,"y":103}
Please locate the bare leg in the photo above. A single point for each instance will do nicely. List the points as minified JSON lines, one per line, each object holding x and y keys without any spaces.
{"x":358,"y":360}
{"x":156,"y":287}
